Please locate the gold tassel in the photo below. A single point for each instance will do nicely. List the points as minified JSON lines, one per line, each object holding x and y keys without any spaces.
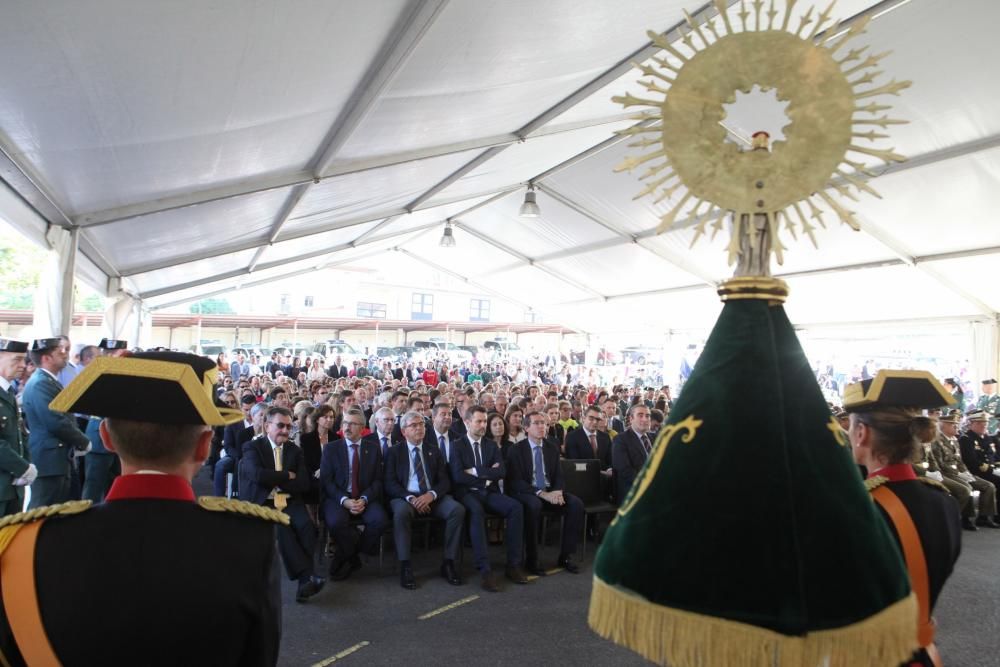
{"x":687,"y":639}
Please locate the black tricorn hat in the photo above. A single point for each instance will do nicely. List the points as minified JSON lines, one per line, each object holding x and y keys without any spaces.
{"x":42,"y":344}
{"x":113,"y":344}
{"x":155,"y":387}
{"x":989,"y":381}
{"x":8,"y":345}
{"x":910,"y":389}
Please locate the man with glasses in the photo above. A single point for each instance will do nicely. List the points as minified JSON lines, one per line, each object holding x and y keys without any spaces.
{"x":382,"y":435}
{"x":631,"y":448}
{"x":416,"y":481}
{"x":54,"y":438}
{"x":589,"y":442}
{"x":320,"y":394}
{"x":273,"y":473}
{"x":350,"y":473}
{"x":535,"y":480}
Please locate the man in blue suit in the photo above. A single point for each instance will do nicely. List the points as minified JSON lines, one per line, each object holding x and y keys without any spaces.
{"x":54,"y":438}
{"x":416,"y":481}
{"x":350,"y":473}
{"x":476,"y":470}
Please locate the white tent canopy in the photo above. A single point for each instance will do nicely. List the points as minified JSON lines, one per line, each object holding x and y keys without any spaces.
{"x":201,"y":145}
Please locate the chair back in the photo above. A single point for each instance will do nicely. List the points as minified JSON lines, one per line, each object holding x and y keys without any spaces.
{"x":583,"y":479}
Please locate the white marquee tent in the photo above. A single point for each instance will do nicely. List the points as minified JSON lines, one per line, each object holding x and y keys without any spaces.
{"x":191,"y":146}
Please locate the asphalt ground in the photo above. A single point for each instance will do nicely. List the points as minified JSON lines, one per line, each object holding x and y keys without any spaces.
{"x":371,"y":620}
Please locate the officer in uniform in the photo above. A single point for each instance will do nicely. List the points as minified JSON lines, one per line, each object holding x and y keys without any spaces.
{"x":976,"y":448}
{"x":989,"y":402}
{"x":100,"y":465}
{"x":174,"y":581}
{"x":54,"y":439}
{"x":16,"y":471}
{"x":885,"y":427}
{"x":944,"y":454}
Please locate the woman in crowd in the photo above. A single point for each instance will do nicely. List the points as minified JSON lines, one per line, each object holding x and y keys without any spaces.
{"x":318,"y":432}
{"x":316,"y":370}
{"x":221,"y":362}
{"x":515,"y":432}
{"x":886,"y":429}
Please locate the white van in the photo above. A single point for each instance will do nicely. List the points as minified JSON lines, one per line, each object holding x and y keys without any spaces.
{"x":435,"y":346}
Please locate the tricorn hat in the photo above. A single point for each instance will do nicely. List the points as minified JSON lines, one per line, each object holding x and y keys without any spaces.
{"x":910,"y":389}
{"x":9,"y":345}
{"x":989,"y":381}
{"x":113,"y":344}
{"x":42,"y":344}
{"x":156,"y":387}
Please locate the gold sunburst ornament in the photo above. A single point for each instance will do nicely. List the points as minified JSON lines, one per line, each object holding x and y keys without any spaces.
{"x":828,"y":146}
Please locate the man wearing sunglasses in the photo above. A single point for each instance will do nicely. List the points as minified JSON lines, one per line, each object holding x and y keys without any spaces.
{"x":273,"y":473}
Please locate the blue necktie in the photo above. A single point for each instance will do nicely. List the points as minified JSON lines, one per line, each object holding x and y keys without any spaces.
{"x":444,"y":450}
{"x":539,"y":470}
{"x":418,"y":469}
{"x":385,"y":448}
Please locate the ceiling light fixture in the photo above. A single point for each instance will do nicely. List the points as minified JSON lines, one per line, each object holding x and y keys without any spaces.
{"x":529,"y":209}
{"x":448,"y":238}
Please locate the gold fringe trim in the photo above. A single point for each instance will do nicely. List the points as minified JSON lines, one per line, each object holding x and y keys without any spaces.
{"x":873,"y":483}
{"x":9,"y":525}
{"x":933,"y":483}
{"x":686,"y":639}
{"x":219,"y":504}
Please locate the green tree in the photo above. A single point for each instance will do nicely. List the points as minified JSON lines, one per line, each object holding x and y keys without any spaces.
{"x":212,"y":307}
{"x":21,"y":263}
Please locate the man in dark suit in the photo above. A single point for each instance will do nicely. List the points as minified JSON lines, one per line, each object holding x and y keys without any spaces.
{"x":610,"y":415}
{"x":416,"y":481}
{"x":534,"y":478}
{"x":149,"y":543}
{"x":476,"y":470}
{"x":233,"y":439}
{"x":631,"y":448}
{"x":273,"y":473}
{"x":350,"y":473}
{"x":16,"y":471}
{"x":589,"y":442}
{"x":337,"y":369}
{"x":440,"y":433}
{"x":54,"y":438}
{"x":382,"y":435}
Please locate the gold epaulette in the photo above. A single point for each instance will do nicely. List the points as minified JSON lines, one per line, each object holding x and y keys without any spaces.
{"x":873,"y":483}
{"x":933,"y":482}
{"x":219,"y":504}
{"x":9,"y":525}
{"x":71,"y":507}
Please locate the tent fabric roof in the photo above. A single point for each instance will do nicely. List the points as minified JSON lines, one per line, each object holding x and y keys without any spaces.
{"x":203,"y":145}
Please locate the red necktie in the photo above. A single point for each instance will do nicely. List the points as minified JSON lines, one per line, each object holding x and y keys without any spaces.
{"x":355,"y":472}
{"x":593,"y":443}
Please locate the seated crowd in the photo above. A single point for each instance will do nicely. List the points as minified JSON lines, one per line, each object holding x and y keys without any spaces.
{"x":358,"y":454}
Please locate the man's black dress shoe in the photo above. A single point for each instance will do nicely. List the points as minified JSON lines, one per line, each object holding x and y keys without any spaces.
{"x":987,"y":521}
{"x":533,"y":568}
{"x":449,"y":573}
{"x":516,"y":574}
{"x":968,"y":523}
{"x":406,"y":579}
{"x":489,"y":583}
{"x":566,"y":563}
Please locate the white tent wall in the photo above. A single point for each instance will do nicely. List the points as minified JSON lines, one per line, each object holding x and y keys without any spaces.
{"x":284,"y":139}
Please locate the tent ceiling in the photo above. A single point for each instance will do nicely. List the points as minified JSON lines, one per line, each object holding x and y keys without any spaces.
{"x":205,"y":145}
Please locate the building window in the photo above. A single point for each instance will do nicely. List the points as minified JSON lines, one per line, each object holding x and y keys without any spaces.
{"x":480,"y":311}
{"x":285,"y":304}
{"x":422,"y":307}
{"x":375,"y":310}
{"x":308,"y":302}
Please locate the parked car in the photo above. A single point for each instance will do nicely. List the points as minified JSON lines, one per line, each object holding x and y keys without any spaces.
{"x":502,"y":347}
{"x":435,"y":346}
{"x":335,"y":347}
{"x":642,"y":354}
{"x":471,"y":349}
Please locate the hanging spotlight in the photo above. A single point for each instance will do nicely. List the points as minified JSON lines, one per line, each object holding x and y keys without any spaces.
{"x":529,"y":209}
{"x":448,"y":238}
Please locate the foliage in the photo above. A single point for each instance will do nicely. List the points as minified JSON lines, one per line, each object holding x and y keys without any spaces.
{"x":212,"y":307}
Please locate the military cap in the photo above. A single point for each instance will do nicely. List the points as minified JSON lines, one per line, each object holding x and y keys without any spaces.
{"x":990,"y":381}
{"x":839,"y":413}
{"x":949,"y":419}
{"x":155,"y":387}
{"x":113,"y":344}
{"x":891,"y":388}
{"x":9,"y":345}
{"x":42,"y":344}
{"x":976,"y":416}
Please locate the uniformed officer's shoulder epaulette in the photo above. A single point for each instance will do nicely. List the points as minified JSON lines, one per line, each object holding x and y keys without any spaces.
{"x":934,"y":483}
{"x":71,"y":507}
{"x":220,"y":504}
{"x":873,"y":483}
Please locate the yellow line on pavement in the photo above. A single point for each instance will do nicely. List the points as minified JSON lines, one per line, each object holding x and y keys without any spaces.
{"x":343,"y":654}
{"x":441,"y":610}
